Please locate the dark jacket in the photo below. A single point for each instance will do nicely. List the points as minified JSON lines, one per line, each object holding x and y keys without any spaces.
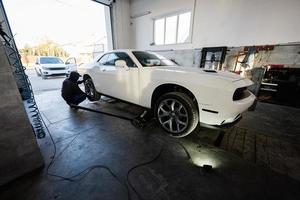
{"x":70,"y":87}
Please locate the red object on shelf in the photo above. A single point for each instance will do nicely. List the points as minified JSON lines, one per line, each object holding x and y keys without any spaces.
{"x":276,"y":66}
{"x":238,"y":72}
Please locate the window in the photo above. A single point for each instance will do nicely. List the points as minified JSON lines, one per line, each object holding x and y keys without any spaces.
{"x":124,"y":56}
{"x":171,"y":25}
{"x":174,"y":29}
{"x":159,"y":31}
{"x":50,"y":60}
{"x":111,"y":58}
{"x":183,"y":27}
{"x":103,"y":59}
{"x":71,"y":61}
{"x":150,"y":59}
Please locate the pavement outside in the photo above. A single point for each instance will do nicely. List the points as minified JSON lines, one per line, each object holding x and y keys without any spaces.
{"x":84,"y":139}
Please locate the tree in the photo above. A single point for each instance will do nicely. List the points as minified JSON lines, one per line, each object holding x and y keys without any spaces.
{"x":46,"y":48}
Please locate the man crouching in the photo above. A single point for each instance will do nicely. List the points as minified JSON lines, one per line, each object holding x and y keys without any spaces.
{"x":71,"y":92}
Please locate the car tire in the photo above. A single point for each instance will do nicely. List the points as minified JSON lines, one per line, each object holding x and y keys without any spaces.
{"x":44,"y":76}
{"x":90,"y":90}
{"x":176,"y":113}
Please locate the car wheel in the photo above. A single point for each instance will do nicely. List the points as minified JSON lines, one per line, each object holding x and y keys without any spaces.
{"x":44,"y":76}
{"x":177,"y":114}
{"x":90,"y":90}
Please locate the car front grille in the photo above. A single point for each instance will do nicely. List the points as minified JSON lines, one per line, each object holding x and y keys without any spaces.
{"x":241,"y":93}
{"x":57,"y":68}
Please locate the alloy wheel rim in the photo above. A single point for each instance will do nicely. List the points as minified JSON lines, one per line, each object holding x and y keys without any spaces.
{"x":89,"y":88}
{"x":172,"y":115}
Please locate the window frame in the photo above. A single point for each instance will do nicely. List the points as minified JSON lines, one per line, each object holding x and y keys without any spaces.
{"x":98,"y":61}
{"x":114,"y":52}
{"x":177,"y":13}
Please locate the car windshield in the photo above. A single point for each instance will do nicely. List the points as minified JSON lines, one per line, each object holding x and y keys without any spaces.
{"x":50,"y":60}
{"x":150,"y":59}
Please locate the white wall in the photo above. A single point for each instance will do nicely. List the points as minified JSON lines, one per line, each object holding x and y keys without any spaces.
{"x":219,"y":22}
{"x":121,"y":24}
{"x":142,"y":27}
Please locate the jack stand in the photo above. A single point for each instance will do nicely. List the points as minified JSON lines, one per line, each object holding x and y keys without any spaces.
{"x":138,"y":121}
{"x":141,"y":120}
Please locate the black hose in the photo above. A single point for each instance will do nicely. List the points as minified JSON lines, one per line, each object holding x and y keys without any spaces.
{"x":86,"y":171}
{"x":83,"y":172}
{"x":26,"y":93}
{"x":140,"y":165}
{"x":101,"y":112}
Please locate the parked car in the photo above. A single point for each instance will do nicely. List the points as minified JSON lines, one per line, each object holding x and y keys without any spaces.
{"x":50,"y":66}
{"x":180,"y":97}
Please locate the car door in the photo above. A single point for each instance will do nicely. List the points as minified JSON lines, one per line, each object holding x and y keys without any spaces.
{"x":97,"y":73}
{"x":120,"y":82}
{"x":37,"y":65}
{"x":71,"y":64}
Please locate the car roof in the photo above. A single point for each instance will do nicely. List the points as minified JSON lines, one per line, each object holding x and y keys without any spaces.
{"x":122,"y":50}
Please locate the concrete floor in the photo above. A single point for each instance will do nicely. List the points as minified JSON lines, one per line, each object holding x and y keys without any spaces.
{"x":40,"y":85}
{"x":84,"y":139}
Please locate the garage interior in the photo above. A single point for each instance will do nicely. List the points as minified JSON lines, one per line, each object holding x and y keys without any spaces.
{"x":50,"y":151}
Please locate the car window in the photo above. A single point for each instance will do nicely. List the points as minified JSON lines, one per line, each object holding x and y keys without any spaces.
{"x":71,"y":61}
{"x":50,"y":60}
{"x":103,"y":59}
{"x":113,"y":57}
{"x":150,"y":59}
{"x":125,"y":56}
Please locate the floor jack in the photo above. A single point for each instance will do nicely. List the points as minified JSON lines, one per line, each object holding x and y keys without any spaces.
{"x":139,"y":121}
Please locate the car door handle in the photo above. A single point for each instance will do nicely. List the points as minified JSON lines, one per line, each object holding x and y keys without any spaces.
{"x":103,"y":70}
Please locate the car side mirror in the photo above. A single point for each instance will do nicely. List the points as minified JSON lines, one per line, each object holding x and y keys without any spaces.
{"x":121,"y":64}
{"x":37,"y":63}
{"x":67,"y":63}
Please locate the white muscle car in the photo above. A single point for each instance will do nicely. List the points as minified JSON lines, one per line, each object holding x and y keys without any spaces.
{"x":180,"y":97}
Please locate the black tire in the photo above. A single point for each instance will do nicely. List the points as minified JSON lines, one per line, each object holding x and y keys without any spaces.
{"x":44,"y":76}
{"x":183,"y":114}
{"x":90,"y":90}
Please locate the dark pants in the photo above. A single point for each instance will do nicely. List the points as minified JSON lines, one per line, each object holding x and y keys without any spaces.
{"x":77,"y":99}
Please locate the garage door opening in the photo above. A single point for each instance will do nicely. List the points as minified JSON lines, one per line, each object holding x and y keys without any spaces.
{"x":61,"y":33}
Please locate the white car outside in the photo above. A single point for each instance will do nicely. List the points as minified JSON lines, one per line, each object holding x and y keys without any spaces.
{"x":50,"y":66}
{"x":180,"y":97}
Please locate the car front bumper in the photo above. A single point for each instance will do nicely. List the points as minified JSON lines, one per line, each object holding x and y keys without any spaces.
{"x":53,"y":72}
{"x":225,"y":114}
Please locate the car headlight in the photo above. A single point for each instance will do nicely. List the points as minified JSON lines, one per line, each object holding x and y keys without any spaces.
{"x":45,"y":68}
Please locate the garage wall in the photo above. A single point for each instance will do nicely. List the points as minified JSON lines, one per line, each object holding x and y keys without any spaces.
{"x":142,"y":26}
{"x":120,"y":13}
{"x":19,"y":151}
{"x":220,"y":22}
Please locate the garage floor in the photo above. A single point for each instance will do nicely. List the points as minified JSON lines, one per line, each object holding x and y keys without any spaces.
{"x":84,"y":139}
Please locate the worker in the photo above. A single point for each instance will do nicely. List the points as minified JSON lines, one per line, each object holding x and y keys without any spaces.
{"x":71,"y":92}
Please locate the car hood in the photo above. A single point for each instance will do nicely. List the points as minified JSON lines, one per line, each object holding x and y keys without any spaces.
{"x":53,"y":65}
{"x":229,"y":76}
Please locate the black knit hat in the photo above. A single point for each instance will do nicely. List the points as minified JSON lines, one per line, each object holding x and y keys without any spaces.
{"x":74,"y":76}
